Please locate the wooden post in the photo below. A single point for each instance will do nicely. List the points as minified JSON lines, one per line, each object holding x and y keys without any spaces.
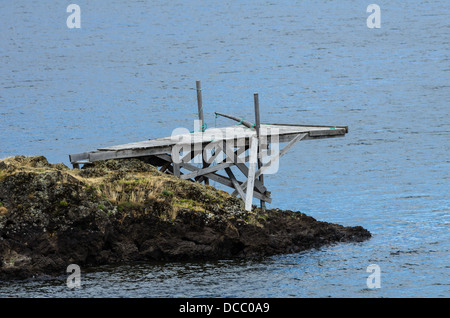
{"x":251,"y":172}
{"x":257,"y":123}
{"x":257,"y":127}
{"x":201,"y":118}
{"x":200,"y":104}
{"x":176,"y":169}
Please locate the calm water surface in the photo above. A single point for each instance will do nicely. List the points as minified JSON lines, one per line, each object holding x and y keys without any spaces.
{"x":129,"y":74}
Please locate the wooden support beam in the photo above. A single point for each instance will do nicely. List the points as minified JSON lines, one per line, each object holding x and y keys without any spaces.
{"x":200,"y":173}
{"x":274,"y":159}
{"x":126,"y":153}
{"x":79,"y":157}
{"x":239,"y":151}
{"x":205,"y":171}
{"x":257,"y":127}
{"x":165,"y":167}
{"x":165,"y":157}
{"x":176,"y":169}
{"x":236,"y":184}
{"x":281,"y":153}
{"x":244,"y":169}
{"x":191,"y":155}
{"x":201,"y":118}
{"x":226,"y":181}
{"x":251,"y":173}
{"x":233,"y":155}
{"x":217,"y":150}
{"x":178,"y":165}
{"x":200,"y":104}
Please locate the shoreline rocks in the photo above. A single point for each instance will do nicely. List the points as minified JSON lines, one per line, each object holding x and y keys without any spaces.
{"x":126,"y":210}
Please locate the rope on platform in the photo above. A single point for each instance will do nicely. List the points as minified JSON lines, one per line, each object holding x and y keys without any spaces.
{"x":204,"y":127}
{"x":242,"y":120}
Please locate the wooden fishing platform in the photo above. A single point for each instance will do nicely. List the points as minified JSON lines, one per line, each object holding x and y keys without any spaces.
{"x":200,"y":156}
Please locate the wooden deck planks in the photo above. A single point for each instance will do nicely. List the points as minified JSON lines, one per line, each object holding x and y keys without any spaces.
{"x":211,"y":135}
{"x":237,"y":135}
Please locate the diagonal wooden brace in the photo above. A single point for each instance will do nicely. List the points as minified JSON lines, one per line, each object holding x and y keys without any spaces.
{"x":277,"y":157}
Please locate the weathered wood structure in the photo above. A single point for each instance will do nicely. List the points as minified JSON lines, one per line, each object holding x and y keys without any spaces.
{"x":210,"y":154}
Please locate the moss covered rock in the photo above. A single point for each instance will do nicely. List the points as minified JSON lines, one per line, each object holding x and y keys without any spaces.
{"x":126,"y":210}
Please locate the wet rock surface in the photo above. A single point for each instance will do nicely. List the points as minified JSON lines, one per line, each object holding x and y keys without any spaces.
{"x":126,"y":210}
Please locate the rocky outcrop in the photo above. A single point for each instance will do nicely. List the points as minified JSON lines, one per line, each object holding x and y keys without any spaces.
{"x":126,"y":210}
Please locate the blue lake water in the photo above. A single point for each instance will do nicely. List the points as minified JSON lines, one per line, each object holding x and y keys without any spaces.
{"x":128,"y":74}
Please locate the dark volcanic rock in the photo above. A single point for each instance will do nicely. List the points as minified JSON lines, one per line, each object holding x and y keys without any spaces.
{"x":126,"y":210}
